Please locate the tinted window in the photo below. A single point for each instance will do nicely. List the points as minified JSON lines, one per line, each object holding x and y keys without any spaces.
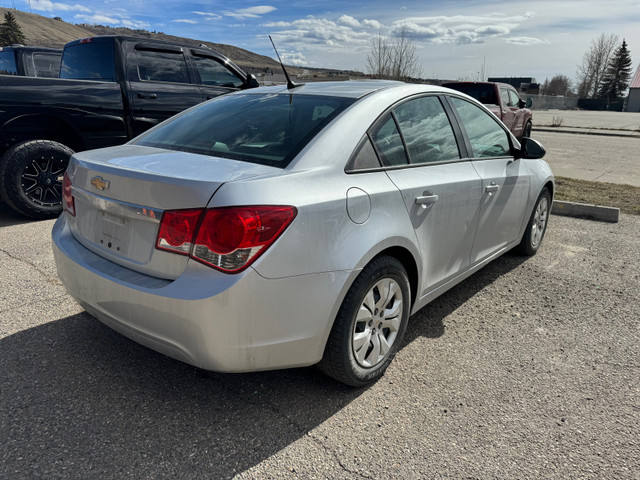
{"x":162,"y":66}
{"x":388,"y":143}
{"x":265,"y":129}
{"x":213,"y":73}
{"x":426,"y":130}
{"x":364,"y":157}
{"x":483,"y":93}
{"x":487,"y":138}
{"x":46,"y":64}
{"x":8,"y":64}
{"x":89,"y":61}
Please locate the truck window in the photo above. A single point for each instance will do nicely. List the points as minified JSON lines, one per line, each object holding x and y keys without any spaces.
{"x":46,"y":64}
{"x":89,"y":61}
{"x":8,"y":63}
{"x":504,"y":93}
{"x":156,"y":66}
{"x":514,"y":98}
{"x":213,"y":73}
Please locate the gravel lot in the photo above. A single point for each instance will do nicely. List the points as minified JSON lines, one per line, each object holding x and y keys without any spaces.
{"x":528,"y":369}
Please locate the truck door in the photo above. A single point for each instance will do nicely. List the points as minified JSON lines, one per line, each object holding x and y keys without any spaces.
{"x":160,"y":84}
{"x":508,"y":108}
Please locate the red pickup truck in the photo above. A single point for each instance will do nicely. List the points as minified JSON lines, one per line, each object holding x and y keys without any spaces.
{"x":503,"y":100}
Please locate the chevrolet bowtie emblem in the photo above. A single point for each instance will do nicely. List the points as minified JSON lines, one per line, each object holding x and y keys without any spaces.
{"x":100,"y":183}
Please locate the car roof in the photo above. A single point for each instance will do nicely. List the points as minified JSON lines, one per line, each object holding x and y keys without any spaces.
{"x":349,"y":89}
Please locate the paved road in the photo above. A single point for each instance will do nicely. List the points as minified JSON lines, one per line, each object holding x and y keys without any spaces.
{"x":529,"y":369}
{"x":590,"y":157}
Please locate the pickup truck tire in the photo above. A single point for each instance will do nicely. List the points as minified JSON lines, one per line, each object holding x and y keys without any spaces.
{"x":31,"y":177}
{"x":526,"y":131}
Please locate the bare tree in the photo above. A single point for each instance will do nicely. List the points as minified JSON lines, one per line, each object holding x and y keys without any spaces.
{"x":558,"y":85}
{"x":394,"y":58}
{"x":594,"y":64}
{"x":379,"y":58}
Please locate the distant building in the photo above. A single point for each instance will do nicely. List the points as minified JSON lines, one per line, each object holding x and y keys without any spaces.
{"x":522,"y":84}
{"x":633,"y":101}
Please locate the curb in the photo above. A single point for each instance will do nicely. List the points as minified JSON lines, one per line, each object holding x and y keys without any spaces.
{"x":604,"y":133}
{"x":582,"y":210}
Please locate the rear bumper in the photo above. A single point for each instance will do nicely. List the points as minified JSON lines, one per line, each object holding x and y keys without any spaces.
{"x":215,"y":321}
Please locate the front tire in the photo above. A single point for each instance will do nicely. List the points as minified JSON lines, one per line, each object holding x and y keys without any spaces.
{"x":370,"y":324}
{"x":526,"y":131}
{"x":537,"y":226}
{"x":31,"y":177}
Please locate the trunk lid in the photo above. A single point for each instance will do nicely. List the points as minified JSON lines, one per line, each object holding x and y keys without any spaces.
{"x":120,"y":194}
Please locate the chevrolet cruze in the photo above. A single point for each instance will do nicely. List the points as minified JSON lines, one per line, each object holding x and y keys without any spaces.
{"x":281,"y":227}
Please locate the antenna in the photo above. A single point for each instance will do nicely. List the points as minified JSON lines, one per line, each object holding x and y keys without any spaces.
{"x":290,"y":84}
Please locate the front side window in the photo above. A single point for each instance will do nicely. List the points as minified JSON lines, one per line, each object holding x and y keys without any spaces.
{"x":514,"y":98}
{"x":157,"y":66}
{"x":266,"y":129}
{"x":426,"y":131}
{"x":487,"y":138}
{"x":214,"y":73}
{"x":89,"y":61}
{"x":504,"y":93}
{"x":8,"y":63}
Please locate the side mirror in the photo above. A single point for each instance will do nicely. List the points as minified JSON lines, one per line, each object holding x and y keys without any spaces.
{"x":528,"y":103}
{"x":530,"y":149}
{"x":251,"y":82}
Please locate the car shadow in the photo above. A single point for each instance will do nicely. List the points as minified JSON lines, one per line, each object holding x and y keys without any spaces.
{"x":81,"y":401}
{"x":9,"y":217}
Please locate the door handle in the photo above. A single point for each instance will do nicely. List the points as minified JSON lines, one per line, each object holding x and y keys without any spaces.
{"x":147,"y":95}
{"x":426,"y":200}
{"x":493,"y":188}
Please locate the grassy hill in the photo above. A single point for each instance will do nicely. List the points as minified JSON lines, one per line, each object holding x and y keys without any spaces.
{"x":49,"y":32}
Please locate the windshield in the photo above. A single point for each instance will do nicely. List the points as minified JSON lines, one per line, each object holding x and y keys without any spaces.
{"x":269,"y":129}
{"x":89,"y":61}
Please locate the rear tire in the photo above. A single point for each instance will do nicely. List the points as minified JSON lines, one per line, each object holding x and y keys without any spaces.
{"x":526,"y":131}
{"x":370,"y":324}
{"x":537,"y":226}
{"x":31,"y":177}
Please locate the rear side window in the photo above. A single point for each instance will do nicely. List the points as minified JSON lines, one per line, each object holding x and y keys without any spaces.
{"x":214,"y":73}
{"x":388,"y":143}
{"x":89,"y":61}
{"x":46,"y":64}
{"x":426,"y":131}
{"x":268,"y":129}
{"x":487,"y":138}
{"x":8,"y":63}
{"x":156,"y":66}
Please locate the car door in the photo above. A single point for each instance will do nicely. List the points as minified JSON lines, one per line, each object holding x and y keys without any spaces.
{"x":441,"y":190}
{"x":215,"y":78}
{"x":160,"y":83}
{"x":508,"y":109}
{"x":505,"y":180}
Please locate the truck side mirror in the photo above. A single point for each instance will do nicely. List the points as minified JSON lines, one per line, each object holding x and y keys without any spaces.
{"x":251,"y":82}
{"x":528,"y":103}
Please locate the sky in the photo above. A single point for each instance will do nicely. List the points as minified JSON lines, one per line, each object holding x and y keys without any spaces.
{"x":453,"y":39}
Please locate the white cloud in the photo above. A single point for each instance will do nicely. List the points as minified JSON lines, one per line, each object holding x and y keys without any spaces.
{"x":372,"y":24}
{"x":185,"y":20}
{"x":116,"y":18}
{"x":209,"y":15}
{"x":525,"y":40}
{"x":294,"y":58}
{"x":251,"y":12}
{"x":348,"y":21}
{"x":49,"y":6}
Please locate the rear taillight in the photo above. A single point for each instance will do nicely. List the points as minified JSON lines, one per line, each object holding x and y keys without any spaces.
{"x":67,"y":198}
{"x":228,"y":239}
{"x":177,"y":230}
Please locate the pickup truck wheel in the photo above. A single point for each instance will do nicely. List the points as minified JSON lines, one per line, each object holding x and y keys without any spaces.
{"x":31,"y":177}
{"x":526,"y":132}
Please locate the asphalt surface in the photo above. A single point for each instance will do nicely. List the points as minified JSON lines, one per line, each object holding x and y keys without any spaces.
{"x":528,"y":369}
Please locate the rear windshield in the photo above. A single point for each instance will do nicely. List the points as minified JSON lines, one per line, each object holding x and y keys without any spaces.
{"x":8,"y":63}
{"x":89,"y":61}
{"x":483,"y":93}
{"x":269,"y":129}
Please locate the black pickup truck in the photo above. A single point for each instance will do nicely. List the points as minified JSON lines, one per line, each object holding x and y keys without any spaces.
{"x":30,"y":61}
{"x":111,"y":89}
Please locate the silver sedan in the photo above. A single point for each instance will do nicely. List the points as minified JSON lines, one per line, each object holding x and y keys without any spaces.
{"x":282,"y":227}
